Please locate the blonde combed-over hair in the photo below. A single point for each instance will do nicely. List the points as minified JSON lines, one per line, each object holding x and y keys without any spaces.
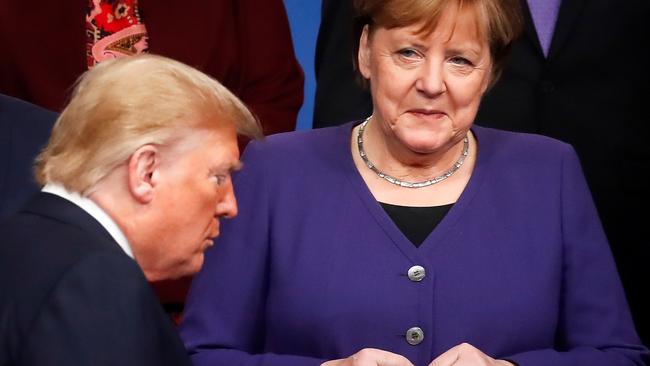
{"x":123,"y":104}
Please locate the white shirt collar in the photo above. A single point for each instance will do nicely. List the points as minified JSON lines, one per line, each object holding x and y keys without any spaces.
{"x":93,"y":210}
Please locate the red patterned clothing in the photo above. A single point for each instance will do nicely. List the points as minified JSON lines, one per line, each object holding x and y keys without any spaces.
{"x":245,"y":44}
{"x":114,"y":28}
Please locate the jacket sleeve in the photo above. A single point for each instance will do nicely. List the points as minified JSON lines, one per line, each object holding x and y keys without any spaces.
{"x":224,"y":318}
{"x":273,"y":80}
{"x":595,"y":326}
{"x":102,"y":312}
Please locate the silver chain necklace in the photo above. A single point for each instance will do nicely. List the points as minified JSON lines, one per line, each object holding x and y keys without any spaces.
{"x":402,"y":183}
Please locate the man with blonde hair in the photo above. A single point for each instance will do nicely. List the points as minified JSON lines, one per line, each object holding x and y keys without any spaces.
{"x":135,"y":178}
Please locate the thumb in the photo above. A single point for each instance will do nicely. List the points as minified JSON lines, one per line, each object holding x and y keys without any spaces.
{"x":385,"y":358}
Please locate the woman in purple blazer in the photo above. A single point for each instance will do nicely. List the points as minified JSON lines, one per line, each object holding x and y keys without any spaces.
{"x":414,"y":237}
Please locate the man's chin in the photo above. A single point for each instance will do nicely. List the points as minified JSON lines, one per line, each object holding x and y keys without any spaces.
{"x":186,"y":269}
{"x":195,"y":265}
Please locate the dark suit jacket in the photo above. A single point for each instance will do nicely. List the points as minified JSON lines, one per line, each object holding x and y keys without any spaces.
{"x":590,"y":92}
{"x":71,"y":296}
{"x":24,"y":130}
{"x":339,"y":96}
{"x":245,"y":44}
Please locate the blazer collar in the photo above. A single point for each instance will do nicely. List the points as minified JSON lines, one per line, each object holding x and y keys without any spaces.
{"x":567,"y":20}
{"x":529,"y":27}
{"x":60,"y":209}
{"x":564,"y":24}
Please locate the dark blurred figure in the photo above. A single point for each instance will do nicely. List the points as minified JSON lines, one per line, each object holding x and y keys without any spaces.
{"x":339,"y":96}
{"x":583,"y":81}
{"x":25,"y":130}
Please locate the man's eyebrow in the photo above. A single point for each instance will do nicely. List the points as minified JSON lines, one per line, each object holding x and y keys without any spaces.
{"x":227,"y":167}
{"x":238,"y":165}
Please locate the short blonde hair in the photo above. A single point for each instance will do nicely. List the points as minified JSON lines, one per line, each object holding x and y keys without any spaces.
{"x":123,"y":104}
{"x":499,"y":21}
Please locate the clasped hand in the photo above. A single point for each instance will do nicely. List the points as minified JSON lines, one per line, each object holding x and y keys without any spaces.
{"x":461,"y":355}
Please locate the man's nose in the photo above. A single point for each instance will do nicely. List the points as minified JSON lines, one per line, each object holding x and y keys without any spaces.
{"x":227,"y":205}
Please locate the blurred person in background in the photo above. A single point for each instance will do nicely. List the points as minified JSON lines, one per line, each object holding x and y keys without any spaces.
{"x":25,"y":130}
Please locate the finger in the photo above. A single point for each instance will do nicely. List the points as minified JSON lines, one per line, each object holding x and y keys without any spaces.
{"x":448,"y":358}
{"x":462,"y":355}
{"x":377,"y":357}
{"x":459,"y":355}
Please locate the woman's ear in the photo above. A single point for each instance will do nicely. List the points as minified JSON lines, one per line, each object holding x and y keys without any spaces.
{"x":364,"y":52}
{"x":142,"y":173}
{"x":487,"y":83}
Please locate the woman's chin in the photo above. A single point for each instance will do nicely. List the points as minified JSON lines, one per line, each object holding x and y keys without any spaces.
{"x":420,"y":144}
{"x":422,"y":149}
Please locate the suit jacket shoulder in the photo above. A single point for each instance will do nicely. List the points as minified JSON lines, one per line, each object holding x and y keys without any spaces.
{"x":72,"y":296}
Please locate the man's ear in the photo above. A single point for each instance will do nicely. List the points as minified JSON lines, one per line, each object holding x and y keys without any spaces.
{"x":364,"y":53}
{"x":142,"y":179}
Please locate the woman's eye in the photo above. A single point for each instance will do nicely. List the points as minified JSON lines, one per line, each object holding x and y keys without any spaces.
{"x":461,"y":61}
{"x":407,"y":52}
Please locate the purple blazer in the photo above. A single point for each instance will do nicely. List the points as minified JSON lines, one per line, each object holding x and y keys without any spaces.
{"x":313,"y":269}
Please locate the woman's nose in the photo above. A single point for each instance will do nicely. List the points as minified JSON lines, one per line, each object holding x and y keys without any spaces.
{"x":431,"y":81}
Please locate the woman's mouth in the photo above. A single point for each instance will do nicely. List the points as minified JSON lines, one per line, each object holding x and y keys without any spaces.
{"x":428,"y":113}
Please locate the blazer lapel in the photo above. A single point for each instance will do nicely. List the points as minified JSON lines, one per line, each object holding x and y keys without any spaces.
{"x":566,"y":20}
{"x":529,"y":28}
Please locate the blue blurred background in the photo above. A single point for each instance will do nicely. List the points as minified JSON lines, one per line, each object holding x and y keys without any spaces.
{"x":304,"y":18}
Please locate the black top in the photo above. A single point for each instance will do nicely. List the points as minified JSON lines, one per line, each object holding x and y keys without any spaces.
{"x":416,"y":223}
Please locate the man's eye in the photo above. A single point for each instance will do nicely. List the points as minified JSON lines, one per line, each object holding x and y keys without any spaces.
{"x":219,"y":179}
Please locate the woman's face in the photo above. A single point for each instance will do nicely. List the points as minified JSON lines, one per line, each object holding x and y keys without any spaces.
{"x":426,"y":88}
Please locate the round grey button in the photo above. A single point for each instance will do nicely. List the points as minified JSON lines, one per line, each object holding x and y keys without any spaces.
{"x":416,"y":273}
{"x":414,"y":336}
